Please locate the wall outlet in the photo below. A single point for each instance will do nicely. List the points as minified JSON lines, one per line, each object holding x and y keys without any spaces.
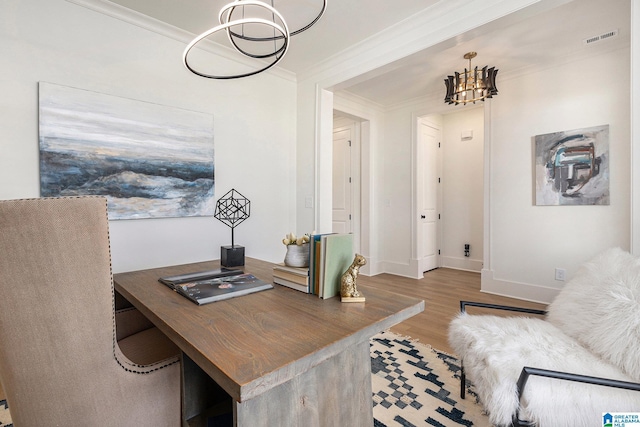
{"x":561,"y":274}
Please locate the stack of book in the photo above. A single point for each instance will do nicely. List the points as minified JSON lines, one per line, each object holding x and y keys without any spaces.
{"x":331,"y":255}
{"x":293,"y":277}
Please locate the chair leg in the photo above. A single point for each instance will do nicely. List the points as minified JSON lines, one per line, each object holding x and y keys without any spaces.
{"x":463,"y":380}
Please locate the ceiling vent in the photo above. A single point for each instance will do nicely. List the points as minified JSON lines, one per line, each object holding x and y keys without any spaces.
{"x":601,"y":37}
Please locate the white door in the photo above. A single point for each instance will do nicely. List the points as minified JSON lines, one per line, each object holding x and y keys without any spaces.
{"x":427,"y":190}
{"x":342,"y":207}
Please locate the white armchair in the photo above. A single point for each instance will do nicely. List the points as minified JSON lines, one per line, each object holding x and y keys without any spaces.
{"x":566,"y":370}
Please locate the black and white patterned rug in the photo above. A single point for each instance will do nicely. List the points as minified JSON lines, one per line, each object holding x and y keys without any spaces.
{"x":5,"y":417}
{"x":416,"y":385}
{"x":413,"y":385}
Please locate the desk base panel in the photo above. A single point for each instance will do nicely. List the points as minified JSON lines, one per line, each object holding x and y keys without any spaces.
{"x":335,"y":392}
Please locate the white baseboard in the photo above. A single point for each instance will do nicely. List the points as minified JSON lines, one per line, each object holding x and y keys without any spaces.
{"x":371,"y":268}
{"x":405,"y":270}
{"x":466,"y":264}
{"x":412,"y":270}
{"x":523,"y":291}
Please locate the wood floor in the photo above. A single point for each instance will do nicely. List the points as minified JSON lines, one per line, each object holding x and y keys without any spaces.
{"x":441,"y":289}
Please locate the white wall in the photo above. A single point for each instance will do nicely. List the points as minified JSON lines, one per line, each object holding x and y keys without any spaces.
{"x":426,"y":29}
{"x":254,"y":124}
{"x":462,"y":188}
{"x":396,"y":210}
{"x":635,"y":126}
{"x":528,"y":242}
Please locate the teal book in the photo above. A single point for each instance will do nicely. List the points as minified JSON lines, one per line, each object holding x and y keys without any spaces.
{"x":338,"y":256}
{"x":314,"y":263}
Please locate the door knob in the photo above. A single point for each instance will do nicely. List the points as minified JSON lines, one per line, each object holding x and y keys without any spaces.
{"x":422,"y":217}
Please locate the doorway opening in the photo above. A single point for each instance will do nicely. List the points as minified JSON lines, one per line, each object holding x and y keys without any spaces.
{"x":346,"y":176}
{"x":449,"y":190}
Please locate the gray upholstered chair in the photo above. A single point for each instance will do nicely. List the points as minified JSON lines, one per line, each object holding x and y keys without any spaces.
{"x":61,"y":360}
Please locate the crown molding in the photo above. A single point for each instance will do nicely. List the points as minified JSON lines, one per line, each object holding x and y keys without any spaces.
{"x":444,"y":22}
{"x":148,"y":23}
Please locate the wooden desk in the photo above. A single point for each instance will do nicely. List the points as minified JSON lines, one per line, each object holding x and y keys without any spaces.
{"x":284,"y":357}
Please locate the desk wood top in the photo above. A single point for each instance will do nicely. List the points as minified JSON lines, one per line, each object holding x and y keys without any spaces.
{"x":252,"y":343}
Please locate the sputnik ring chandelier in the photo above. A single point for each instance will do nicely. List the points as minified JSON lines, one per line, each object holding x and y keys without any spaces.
{"x":280,"y":38}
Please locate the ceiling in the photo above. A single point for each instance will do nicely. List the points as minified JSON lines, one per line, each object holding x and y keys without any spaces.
{"x":345,"y":22}
{"x":549,"y":37}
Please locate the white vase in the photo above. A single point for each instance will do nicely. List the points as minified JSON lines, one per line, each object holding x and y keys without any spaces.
{"x":297,"y":255}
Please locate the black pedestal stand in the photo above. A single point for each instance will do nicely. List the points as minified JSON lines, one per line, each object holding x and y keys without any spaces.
{"x":232,"y":256}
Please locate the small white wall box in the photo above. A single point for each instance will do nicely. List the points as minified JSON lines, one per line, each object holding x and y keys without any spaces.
{"x":466,"y":135}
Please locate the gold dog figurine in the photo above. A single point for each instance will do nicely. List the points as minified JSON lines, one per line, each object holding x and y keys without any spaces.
{"x":348,"y":286}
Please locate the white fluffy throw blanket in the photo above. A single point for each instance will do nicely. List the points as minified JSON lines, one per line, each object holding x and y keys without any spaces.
{"x":593,"y":328}
{"x":600,"y":307}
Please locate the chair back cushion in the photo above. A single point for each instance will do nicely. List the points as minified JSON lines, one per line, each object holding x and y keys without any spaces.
{"x":56,"y":309}
{"x":600,"y":307}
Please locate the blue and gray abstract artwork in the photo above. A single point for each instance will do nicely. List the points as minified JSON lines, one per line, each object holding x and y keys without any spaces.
{"x":149,"y":160}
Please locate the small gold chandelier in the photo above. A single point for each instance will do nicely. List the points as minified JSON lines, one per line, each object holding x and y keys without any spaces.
{"x":471,"y":85}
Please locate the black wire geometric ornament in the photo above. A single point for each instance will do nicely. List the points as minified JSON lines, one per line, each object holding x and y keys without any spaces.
{"x":232,"y":209}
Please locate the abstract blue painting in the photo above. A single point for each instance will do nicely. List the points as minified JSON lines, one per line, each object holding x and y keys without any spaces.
{"x":149,"y":160}
{"x":572,"y":167}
